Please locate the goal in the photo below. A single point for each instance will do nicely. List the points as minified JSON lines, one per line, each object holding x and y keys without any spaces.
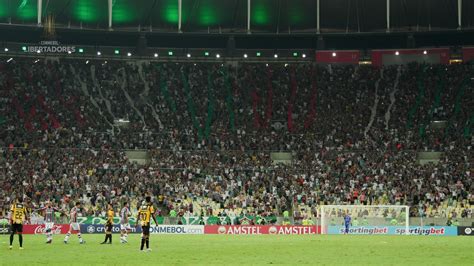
{"x":366,"y":219}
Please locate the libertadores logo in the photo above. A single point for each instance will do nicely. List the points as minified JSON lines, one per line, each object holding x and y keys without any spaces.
{"x":49,"y":47}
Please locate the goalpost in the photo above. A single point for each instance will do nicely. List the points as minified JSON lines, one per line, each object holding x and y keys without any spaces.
{"x":332,"y":216}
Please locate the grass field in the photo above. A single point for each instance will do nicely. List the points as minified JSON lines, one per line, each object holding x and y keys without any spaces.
{"x":244,"y":249}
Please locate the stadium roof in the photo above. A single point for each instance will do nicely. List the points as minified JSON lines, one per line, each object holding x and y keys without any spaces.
{"x":266,"y":16}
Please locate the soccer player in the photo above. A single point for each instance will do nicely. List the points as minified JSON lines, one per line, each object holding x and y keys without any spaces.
{"x":109,"y":224}
{"x":49,"y":213}
{"x":347,"y":223}
{"x":74,"y":225}
{"x":145,"y":212}
{"x":124,"y":224}
{"x":18,"y":214}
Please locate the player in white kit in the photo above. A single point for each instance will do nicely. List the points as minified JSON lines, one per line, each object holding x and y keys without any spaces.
{"x":124,"y":223}
{"x":74,"y":225}
{"x":49,"y":213}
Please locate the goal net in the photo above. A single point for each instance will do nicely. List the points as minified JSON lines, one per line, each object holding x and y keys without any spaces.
{"x":365,"y":219}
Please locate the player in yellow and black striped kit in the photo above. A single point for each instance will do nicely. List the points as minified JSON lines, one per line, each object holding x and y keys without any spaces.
{"x":145,"y":214}
{"x":109,"y":224}
{"x":18,"y":214}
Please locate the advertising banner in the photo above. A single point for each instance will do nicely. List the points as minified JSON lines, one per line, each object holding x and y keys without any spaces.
{"x":100,"y":229}
{"x":262,"y":229}
{"x":395,"y":230}
{"x":162,"y":229}
{"x":39,"y":229}
{"x":466,"y":230}
{"x":178,"y":229}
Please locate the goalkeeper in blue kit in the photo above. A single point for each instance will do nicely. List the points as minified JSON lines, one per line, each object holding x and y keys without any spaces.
{"x":347,"y":223}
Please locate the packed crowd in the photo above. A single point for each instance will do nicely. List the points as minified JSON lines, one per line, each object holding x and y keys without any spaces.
{"x":353,"y":132}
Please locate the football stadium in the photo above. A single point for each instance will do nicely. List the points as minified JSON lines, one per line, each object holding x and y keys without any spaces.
{"x":193,"y":132}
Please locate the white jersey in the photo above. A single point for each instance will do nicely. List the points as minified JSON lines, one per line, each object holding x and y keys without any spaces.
{"x":124,"y":214}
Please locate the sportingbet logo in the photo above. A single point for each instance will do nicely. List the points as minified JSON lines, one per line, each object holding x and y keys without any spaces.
{"x":41,"y":229}
{"x":366,"y":230}
{"x":421,"y":231}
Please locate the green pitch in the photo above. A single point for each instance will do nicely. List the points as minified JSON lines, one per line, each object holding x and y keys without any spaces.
{"x":262,"y":249}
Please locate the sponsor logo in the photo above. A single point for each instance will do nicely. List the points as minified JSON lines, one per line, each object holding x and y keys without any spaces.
{"x":421,"y":231}
{"x":468,"y":230}
{"x":4,"y":230}
{"x":41,"y":229}
{"x":176,"y":229}
{"x":395,"y":230}
{"x":260,"y":230}
{"x":272,"y":230}
{"x":221,"y":230}
{"x":90,"y":229}
{"x":366,"y":230}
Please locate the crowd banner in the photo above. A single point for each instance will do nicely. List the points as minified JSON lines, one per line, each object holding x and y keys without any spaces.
{"x":178,"y":229}
{"x":262,"y":229}
{"x":39,"y":229}
{"x":466,"y":230}
{"x":396,"y":230}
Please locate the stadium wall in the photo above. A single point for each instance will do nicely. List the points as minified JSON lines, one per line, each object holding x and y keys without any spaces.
{"x":261,"y":230}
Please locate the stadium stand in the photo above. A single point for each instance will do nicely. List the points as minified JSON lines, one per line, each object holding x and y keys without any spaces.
{"x":207,"y":132}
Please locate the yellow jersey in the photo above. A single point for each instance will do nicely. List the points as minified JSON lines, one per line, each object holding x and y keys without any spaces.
{"x":110,"y":217}
{"x":144,"y":214}
{"x":18,"y":212}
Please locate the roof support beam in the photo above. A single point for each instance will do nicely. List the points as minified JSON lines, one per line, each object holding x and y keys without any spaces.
{"x":318,"y":25}
{"x":110,"y":13}
{"x":40,"y":11}
{"x":459,"y":14}
{"x":180,"y":14}
{"x":388,"y":15}
{"x":249,"y":2}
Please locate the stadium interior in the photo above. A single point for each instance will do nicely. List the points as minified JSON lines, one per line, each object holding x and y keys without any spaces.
{"x":227,"y":112}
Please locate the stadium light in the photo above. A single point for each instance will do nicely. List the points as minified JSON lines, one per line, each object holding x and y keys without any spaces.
{"x":170,"y":53}
{"x":259,"y":54}
{"x":425,"y":52}
{"x":397,"y":53}
{"x":6,"y":49}
{"x":155,"y":55}
{"x":87,"y":62}
{"x":334,"y":54}
{"x":81,"y":50}
{"x":295,"y":54}
{"x":218,"y":56}
{"x":38,"y":51}
{"x":129,"y":54}
{"x":188,"y":55}
{"x":99,"y":53}
{"x":275,"y":55}
{"x":117,"y":52}
{"x":23,"y":48}
{"x":69,"y":52}
{"x":245,"y":56}
{"x":206,"y":53}
{"x":11,"y":58}
{"x":303,"y":55}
